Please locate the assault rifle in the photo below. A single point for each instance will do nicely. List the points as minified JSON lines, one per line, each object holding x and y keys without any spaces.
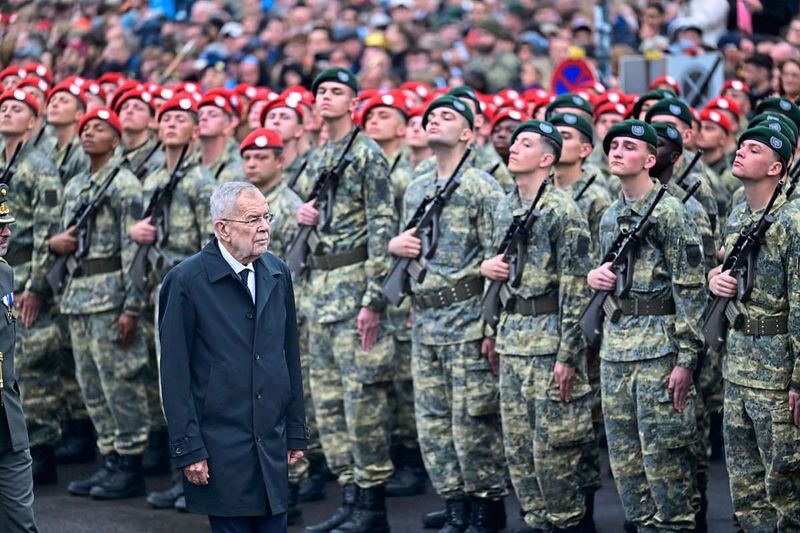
{"x":7,"y":174}
{"x":142,"y":166}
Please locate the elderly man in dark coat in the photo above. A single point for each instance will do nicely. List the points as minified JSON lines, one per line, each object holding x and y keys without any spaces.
{"x":230,"y":370}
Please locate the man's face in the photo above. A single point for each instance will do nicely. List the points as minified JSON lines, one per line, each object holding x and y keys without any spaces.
{"x":214,"y":122}
{"x":254,"y":115}
{"x":98,"y":138}
{"x":741,"y":98}
{"x":525,"y":154}
{"x":213,"y":78}
{"x":573,"y":149}
{"x":63,"y":109}
{"x":754,"y":161}
{"x":384,"y":124}
{"x":248,"y":73}
{"x":285,"y":121}
{"x":793,"y":33}
{"x":135,"y":115}
{"x":5,"y":235}
{"x":711,"y":136}
{"x":446,"y":127}
{"x":415,"y":133}
{"x":16,"y":118}
{"x":653,"y":18}
{"x":604,"y":123}
{"x":249,"y":239}
{"x":754,"y":75}
{"x":36,"y":93}
{"x":334,"y":100}
{"x":628,"y":157}
{"x":666,"y":154}
{"x":501,"y":135}
{"x":9,"y":82}
{"x":176,"y":128}
{"x":261,"y":166}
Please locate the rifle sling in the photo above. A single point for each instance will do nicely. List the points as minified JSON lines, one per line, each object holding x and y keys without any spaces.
{"x":334,"y":261}
{"x":463,"y":290}
{"x":93,"y":267}
{"x":778,"y":325}
{"x":540,"y":305}
{"x":19,"y":257}
{"x":638,"y":307}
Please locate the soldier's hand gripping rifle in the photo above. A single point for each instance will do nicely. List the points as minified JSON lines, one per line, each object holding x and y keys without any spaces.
{"x":148,"y":256}
{"x":426,"y":221}
{"x":306,"y":241}
{"x":7,"y":174}
{"x":722,"y":312}
{"x":83,"y":221}
{"x":621,"y":255}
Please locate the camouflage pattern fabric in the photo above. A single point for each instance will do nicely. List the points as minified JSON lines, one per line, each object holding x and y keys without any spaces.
{"x":593,"y":202}
{"x":70,"y":159}
{"x":227,"y":167}
{"x":137,"y":158}
{"x":704,"y":195}
{"x":482,"y":159}
{"x":501,"y":69}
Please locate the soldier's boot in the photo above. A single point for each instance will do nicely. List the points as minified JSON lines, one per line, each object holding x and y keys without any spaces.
{"x":701,"y":525}
{"x":457,"y":516}
{"x":342,"y":514}
{"x":127,"y":481}
{"x":715,"y":437}
{"x":44,"y":465}
{"x":293,"y":514}
{"x":83,"y":487}
{"x":409,"y":478}
{"x":312,"y":488}
{"x":155,"y":460}
{"x":486,"y":516}
{"x":77,"y":444}
{"x":586,"y":525}
{"x":180,"y":504}
{"x":165,"y":499}
{"x":369,"y":515}
{"x":435,"y":519}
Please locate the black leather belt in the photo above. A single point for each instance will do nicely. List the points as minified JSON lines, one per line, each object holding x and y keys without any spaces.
{"x":93,"y":267}
{"x":541,"y":305}
{"x":334,"y":261}
{"x":636,"y":307}
{"x":463,"y":290}
{"x":19,"y":257}
{"x":778,"y":325}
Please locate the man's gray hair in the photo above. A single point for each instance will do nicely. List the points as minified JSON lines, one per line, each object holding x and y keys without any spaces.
{"x":223,"y":199}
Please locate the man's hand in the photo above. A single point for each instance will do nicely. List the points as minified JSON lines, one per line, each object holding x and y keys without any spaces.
{"x":495,"y":268}
{"x":794,"y":406}
{"x":127,"y":327}
{"x":143,"y":232}
{"x":563,"y":376}
{"x":679,"y":382}
{"x":406,"y":245}
{"x":308,"y":215}
{"x":369,"y":321}
{"x":30,"y":304}
{"x":488,"y":351}
{"x":602,"y":278}
{"x":64,"y":243}
{"x":294,"y":456}
{"x":722,"y":283}
{"x":197,"y":473}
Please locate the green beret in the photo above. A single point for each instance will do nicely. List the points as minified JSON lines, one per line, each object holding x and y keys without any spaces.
{"x":5,"y":213}
{"x":668,"y":132}
{"x":465,"y":91}
{"x":635,"y":129}
{"x":657,"y":94}
{"x":672,"y":107}
{"x":453,"y":103}
{"x":578,"y":122}
{"x":568,"y":101}
{"x":337,"y":74}
{"x":776,"y":122}
{"x":545,"y":129}
{"x":784,"y":106}
{"x":771,"y":138}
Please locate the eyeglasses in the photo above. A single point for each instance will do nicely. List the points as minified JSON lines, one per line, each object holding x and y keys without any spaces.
{"x":253,"y":221}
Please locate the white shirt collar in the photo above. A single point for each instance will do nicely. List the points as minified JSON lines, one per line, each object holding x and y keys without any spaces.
{"x":235,"y":265}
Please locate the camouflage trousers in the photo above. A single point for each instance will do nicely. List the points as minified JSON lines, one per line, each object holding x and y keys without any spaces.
{"x":650,"y":444}
{"x":401,"y":397}
{"x":151,"y":377}
{"x":350,"y":388}
{"x":299,"y":470}
{"x":544,"y":439}
{"x":111,"y":378}
{"x":762,"y":450}
{"x":456,"y":400}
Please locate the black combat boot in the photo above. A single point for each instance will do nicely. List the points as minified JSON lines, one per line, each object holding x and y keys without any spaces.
{"x":312,"y":488}
{"x":435,"y":519}
{"x":180,"y":504}
{"x":486,"y":516}
{"x":127,"y":481}
{"x":165,"y":499}
{"x":155,"y":460}
{"x":293,"y":514}
{"x":369,"y":515}
{"x":83,"y":487}
{"x":716,"y":442}
{"x":44,"y":465}
{"x":409,"y":476}
{"x":701,"y":525}
{"x":342,"y":514}
{"x":77,"y":444}
{"x":457,"y":516}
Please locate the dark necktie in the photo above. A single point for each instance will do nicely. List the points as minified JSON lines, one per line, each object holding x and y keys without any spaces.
{"x":243,"y":275}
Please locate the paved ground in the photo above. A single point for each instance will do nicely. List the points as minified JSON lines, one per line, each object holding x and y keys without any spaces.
{"x":58,"y":512}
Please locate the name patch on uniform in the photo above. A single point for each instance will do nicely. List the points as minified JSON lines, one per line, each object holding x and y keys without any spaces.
{"x":694,"y":254}
{"x":583,"y":245}
{"x":51,"y":198}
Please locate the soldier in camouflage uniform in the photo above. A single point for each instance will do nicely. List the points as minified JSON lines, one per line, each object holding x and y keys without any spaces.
{"x":502,"y":127}
{"x":416,"y":140}
{"x":605,"y":116}
{"x":350,"y":349}
{"x":286,"y":116}
{"x":384,"y":119}
{"x":455,"y":391}
{"x":37,"y":206}
{"x":65,"y":106}
{"x":649,"y":354}
{"x":141,"y":153}
{"x":103,"y":307}
{"x":214,"y":131}
{"x":761,"y":370}
{"x":545,"y":395}
{"x":715,"y":131}
{"x":500,"y":67}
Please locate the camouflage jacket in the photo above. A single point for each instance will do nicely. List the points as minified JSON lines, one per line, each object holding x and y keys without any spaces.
{"x":718,"y":187}
{"x":482,"y":158}
{"x":121,"y":208}
{"x":501,"y":69}
{"x":227,"y":167}
{"x":592,"y":202}
{"x":668,"y":266}
{"x":290,"y":171}
{"x":70,"y":159}
{"x":283,"y":203}
{"x":556,"y":262}
{"x":363,"y":215}
{"x":704,"y":195}
{"x":401,"y":174}
{"x":698,"y":223}
{"x":190,"y":226}
{"x":466,"y":229}
{"x":768,"y":361}
{"x":35,"y":201}
{"x":598,"y":162}
{"x":142,"y":160}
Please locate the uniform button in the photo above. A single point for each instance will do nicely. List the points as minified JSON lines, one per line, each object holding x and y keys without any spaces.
{"x":250,"y":316}
{"x":178,"y":451}
{"x":258,"y":396}
{"x":258,"y":357}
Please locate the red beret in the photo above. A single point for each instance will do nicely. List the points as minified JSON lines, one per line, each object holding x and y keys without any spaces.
{"x":507,"y":113}
{"x":179,"y":102}
{"x":186,"y":87}
{"x":144,"y":96}
{"x":712,"y":115}
{"x":394,"y":99}
{"x":261,"y":138}
{"x":218,"y":101}
{"x":735,"y":85}
{"x":70,"y":88}
{"x":33,"y":81}
{"x":101,"y":113}
{"x":21,"y":96}
{"x":726,"y":104}
{"x":610,"y":108}
{"x":234,"y":102}
{"x":162,"y":92}
{"x":94,"y":89}
{"x":111,"y":77}
{"x":129,"y":85}
{"x":417,"y":111}
{"x":418,"y":88}
{"x":294,"y":105}
{"x":532,"y":95}
{"x":613,"y":96}
{"x":299,"y":93}
{"x":666,"y":80}
{"x":13,"y":70}
{"x":39,"y":70}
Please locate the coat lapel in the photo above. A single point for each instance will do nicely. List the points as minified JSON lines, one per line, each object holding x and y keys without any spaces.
{"x":267,"y":278}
